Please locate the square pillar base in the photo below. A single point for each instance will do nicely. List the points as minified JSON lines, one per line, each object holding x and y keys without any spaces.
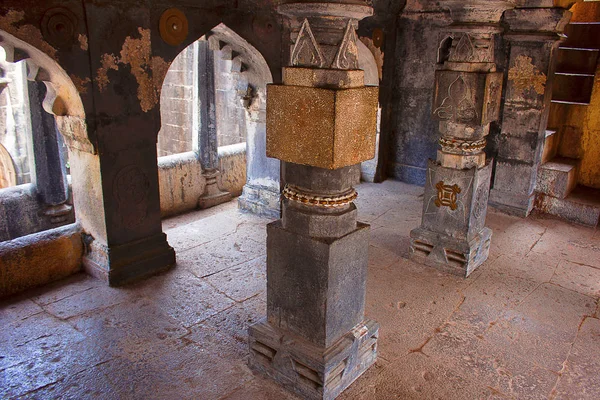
{"x":121,"y":264}
{"x":260,"y":200}
{"x":516,"y":204}
{"x":455,"y":256}
{"x":311,"y":371}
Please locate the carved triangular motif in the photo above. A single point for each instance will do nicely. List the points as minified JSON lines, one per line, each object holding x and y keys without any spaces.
{"x":306,"y":51}
{"x":465,"y":49}
{"x":347,"y":54}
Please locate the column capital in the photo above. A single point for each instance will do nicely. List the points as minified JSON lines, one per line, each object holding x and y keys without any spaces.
{"x":477,"y":11}
{"x":536,"y":23}
{"x":323,"y":35}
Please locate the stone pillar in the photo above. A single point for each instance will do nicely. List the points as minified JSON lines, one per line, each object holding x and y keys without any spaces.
{"x":533,"y":43}
{"x":207,"y":134}
{"x":321,"y":122}
{"x":261,"y":192}
{"x":467,"y":97}
{"x":50,"y":176}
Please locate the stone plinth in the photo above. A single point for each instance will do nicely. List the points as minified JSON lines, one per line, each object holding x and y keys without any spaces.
{"x":452,"y":235}
{"x":309,"y":370}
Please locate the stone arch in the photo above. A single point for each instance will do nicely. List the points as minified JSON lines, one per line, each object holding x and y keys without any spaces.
{"x":62,"y":97}
{"x":254,"y":74}
{"x":8,"y":174}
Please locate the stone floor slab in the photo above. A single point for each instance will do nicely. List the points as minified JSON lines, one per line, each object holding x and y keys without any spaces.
{"x":524,"y":325}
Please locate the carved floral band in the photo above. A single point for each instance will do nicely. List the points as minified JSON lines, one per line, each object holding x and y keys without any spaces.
{"x":294,"y":194}
{"x":452,"y":145}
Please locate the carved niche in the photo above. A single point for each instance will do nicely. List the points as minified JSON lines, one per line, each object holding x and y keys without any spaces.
{"x":472,"y":47}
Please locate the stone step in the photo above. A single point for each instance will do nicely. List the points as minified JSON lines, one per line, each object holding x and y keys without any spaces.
{"x":582,"y":206}
{"x":573,"y":88}
{"x":550,"y":145}
{"x":577,"y":60}
{"x":558,"y":177}
{"x":583,"y":35}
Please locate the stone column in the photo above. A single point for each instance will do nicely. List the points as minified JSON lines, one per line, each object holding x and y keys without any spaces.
{"x":207,"y":134}
{"x":321,"y":123}
{"x":50,"y":176}
{"x":261,"y":192}
{"x":533,"y":42}
{"x":467,"y":97}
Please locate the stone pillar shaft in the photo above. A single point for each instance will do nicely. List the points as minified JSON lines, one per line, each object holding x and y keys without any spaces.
{"x":533,"y":43}
{"x":316,"y":340}
{"x":468,"y":90}
{"x":207,"y":134}
{"x":50,"y":170}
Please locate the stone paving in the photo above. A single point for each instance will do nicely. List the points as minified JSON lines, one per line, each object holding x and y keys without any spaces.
{"x":525,"y":325}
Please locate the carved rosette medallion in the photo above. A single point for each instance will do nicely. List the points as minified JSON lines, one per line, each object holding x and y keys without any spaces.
{"x":173,"y":26}
{"x":447,"y":195}
{"x":59,"y":26}
{"x":131,"y":187}
{"x":293,"y":193}
{"x":457,"y":146}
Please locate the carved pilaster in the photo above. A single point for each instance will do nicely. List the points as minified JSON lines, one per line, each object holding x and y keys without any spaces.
{"x":532,"y":40}
{"x":321,"y":122}
{"x":468,"y":90}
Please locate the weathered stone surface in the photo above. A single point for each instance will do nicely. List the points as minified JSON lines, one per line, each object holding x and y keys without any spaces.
{"x":121,"y":264}
{"x":469,"y":98}
{"x":580,"y":206}
{"x":309,"y":77}
{"x":441,"y":336}
{"x":39,"y":259}
{"x":331,"y":224}
{"x":312,"y":371}
{"x":452,"y":235}
{"x":558,"y":177}
{"x":317,"y":285}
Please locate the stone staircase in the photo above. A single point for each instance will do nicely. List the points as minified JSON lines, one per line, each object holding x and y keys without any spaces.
{"x":557,"y":191}
{"x":576,"y":65}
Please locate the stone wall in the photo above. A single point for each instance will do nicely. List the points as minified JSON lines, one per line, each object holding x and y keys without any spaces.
{"x":179,"y":97}
{"x":230,"y":87}
{"x":177,"y":100}
{"x":412,"y":133}
{"x":21,"y":213}
{"x":15,"y":125}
